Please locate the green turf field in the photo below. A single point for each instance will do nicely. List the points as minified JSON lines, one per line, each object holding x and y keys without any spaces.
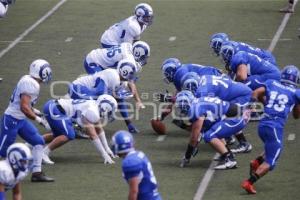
{"x":79,"y":171}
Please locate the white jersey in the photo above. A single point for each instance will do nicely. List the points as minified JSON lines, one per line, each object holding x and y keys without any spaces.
{"x":77,"y":109}
{"x":7,"y":176}
{"x":3,"y":9}
{"x":110,"y":77}
{"x":109,"y":58}
{"x":26,"y":85}
{"x":127,"y":30}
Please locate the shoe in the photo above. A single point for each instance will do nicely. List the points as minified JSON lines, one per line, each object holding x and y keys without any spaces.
{"x":184,"y":162}
{"x":254,"y":164}
{"x":242,"y":148}
{"x":46,"y":160}
{"x":40,"y":177}
{"x":288,"y":9}
{"x":132,"y":129}
{"x":230,"y":140}
{"x":246,"y":185}
{"x":228,"y":162}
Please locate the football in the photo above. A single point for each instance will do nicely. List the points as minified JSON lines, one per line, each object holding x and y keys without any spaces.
{"x":158,"y":126}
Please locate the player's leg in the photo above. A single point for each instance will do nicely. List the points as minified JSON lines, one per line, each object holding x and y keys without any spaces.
{"x":123,"y":108}
{"x":272,"y":137}
{"x":31,"y":135}
{"x":9,"y":130}
{"x":3,"y":9}
{"x":289,"y":8}
{"x":61,"y":126}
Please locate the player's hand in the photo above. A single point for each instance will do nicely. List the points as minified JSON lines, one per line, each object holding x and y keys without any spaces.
{"x":140,"y":105}
{"x":43,"y":122}
{"x":37,"y":112}
{"x":111,"y":154}
{"x":108,"y":159}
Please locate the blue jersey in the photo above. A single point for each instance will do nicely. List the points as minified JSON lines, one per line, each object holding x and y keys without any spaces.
{"x":255,"y":65}
{"x":212,"y":108}
{"x":136,"y":164}
{"x":280,"y":99}
{"x":266,"y":55}
{"x":199,"y":69}
{"x":224,"y":88}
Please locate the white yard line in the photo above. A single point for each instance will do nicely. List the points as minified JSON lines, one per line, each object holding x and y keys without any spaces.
{"x":282,"y":39}
{"x":210,"y":171}
{"x":22,"y":41}
{"x":291,"y":137}
{"x":31,"y":28}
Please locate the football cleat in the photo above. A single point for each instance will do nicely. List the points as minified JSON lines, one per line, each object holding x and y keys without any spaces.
{"x":230,"y":140}
{"x":132,"y":129}
{"x":40,"y":177}
{"x":242,"y":148}
{"x":229,"y":162}
{"x":288,"y":9}
{"x":46,"y":160}
{"x":246,"y":185}
{"x":184,"y":162}
{"x":254,"y":164}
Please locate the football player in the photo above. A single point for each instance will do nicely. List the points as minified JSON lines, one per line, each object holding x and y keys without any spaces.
{"x":109,"y":81}
{"x":225,"y":89}
{"x":14,"y":169}
{"x":247,"y":67}
{"x":280,"y":98}
{"x":15,"y":119}
{"x":136,"y":167}
{"x":210,"y":117}
{"x":4,"y":7}
{"x":130,"y":29}
{"x":90,"y":114}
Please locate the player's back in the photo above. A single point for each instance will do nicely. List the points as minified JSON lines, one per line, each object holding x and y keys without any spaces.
{"x":26,"y":85}
{"x":255,"y":64}
{"x":135,"y":164}
{"x":212,"y":108}
{"x":222,"y":87}
{"x":125,"y":31}
{"x":7,"y":176}
{"x":280,"y":99}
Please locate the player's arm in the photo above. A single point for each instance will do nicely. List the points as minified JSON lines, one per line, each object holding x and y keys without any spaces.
{"x":17,"y":195}
{"x":133,"y":188}
{"x":241,"y":73}
{"x":25,"y":105}
{"x":259,"y":94}
{"x":296,"y":111}
{"x":2,"y":192}
{"x":136,"y":95}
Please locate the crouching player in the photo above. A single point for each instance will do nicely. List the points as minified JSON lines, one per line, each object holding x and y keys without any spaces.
{"x":208,"y":116}
{"x":137,"y":169}
{"x":14,"y":169}
{"x":89,"y":114}
{"x":280,"y":98}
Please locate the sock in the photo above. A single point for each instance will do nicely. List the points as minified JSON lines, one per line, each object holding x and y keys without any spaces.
{"x":47,"y":151}
{"x":189,"y":151}
{"x":123,"y":108}
{"x":37,"y":153}
{"x":103,"y":140}
{"x":241,"y":137}
{"x":260,"y":159}
{"x":97,"y":143}
{"x":253,"y":178}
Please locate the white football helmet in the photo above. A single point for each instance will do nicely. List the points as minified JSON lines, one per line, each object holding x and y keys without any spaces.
{"x":40,"y":69}
{"x":128,"y":69}
{"x":107,"y":107}
{"x":19,"y":157}
{"x":144,"y":13}
{"x":141,"y":52}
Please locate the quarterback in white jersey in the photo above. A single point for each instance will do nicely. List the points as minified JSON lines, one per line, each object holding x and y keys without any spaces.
{"x":4,"y":7}
{"x":14,"y":169}
{"x":89,"y":114}
{"x":130,"y":29}
{"x":15,"y":119}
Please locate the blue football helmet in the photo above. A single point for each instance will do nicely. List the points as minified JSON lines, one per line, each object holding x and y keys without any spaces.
{"x":190,"y":81}
{"x":144,"y":13}
{"x":141,"y":52}
{"x":184,"y":101}
{"x":290,"y":74}
{"x":19,"y":157}
{"x":227,"y":51}
{"x":122,"y":142}
{"x":217,"y":40}
{"x":169,"y":68}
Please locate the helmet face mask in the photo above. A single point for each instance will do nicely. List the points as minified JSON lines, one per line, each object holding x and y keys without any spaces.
{"x":127,"y":70}
{"x":290,"y":75}
{"x":19,"y":157}
{"x":141,"y":52}
{"x":122,"y":142}
{"x":107,"y":108}
{"x":183,"y":102}
{"x":40,"y":69}
{"x":144,"y":13}
{"x":227,"y":51}
{"x":216,"y":42}
{"x":169,"y":68}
